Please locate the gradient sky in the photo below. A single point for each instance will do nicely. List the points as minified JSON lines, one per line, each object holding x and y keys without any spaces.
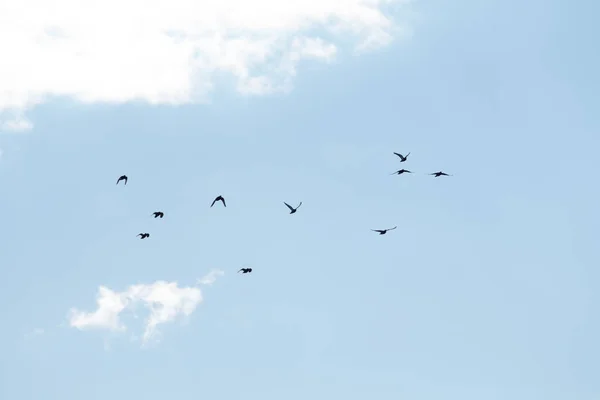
{"x":487,"y":290}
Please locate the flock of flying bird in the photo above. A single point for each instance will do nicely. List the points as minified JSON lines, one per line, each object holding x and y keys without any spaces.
{"x":293,"y":210}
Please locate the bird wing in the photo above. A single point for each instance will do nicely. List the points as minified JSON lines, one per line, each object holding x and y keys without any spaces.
{"x":399,"y":155}
{"x":223,"y":200}
{"x":299,"y":205}
{"x":213,"y":203}
{"x":139,"y":234}
{"x":377,"y":230}
{"x":395,"y":173}
{"x":391,"y":229}
{"x":240,"y":270}
{"x":406,"y":156}
{"x":288,"y":206}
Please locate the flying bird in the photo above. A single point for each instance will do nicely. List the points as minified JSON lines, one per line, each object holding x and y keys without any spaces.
{"x":245,"y":270}
{"x":402,"y":158}
{"x":292,"y":209}
{"x":401,"y":171}
{"x":158,"y":214}
{"x":219,"y":198}
{"x":143,"y":235}
{"x":383,"y":231}
{"x":122,"y":178}
{"x":439,"y":173}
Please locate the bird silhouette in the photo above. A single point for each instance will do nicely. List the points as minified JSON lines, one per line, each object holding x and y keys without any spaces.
{"x":122,"y":178}
{"x":143,"y":235}
{"x":292,"y":209}
{"x":439,"y":173}
{"x":245,"y":270}
{"x":219,"y":198}
{"x":158,"y":214}
{"x":383,"y":231}
{"x":402,"y":158}
{"x":401,"y":171}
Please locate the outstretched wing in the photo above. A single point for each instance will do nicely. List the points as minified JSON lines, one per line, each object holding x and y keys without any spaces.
{"x":213,"y":203}
{"x":223,"y":200}
{"x":399,"y":155}
{"x":391,"y":229}
{"x":299,"y":205}
{"x":139,"y":234}
{"x":406,"y":156}
{"x":240,"y":270}
{"x":377,"y":230}
{"x":288,"y":206}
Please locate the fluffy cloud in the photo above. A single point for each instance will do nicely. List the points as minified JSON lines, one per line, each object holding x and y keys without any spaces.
{"x":166,"y":302}
{"x":170,"y":51}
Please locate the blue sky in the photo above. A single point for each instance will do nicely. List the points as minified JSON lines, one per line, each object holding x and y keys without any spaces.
{"x":488,"y":289}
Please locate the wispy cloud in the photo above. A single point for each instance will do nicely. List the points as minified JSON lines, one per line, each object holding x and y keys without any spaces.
{"x":166,"y":302}
{"x":15,"y":124}
{"x":35,"y":332}
{"x":170,"y":51}
{"x":211,"y":277}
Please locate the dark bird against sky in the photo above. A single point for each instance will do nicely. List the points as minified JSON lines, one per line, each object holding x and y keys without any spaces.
{"x":122,"y":178}
{"x":245,"y":270}
{"x":143,"y":235}
{"x":219,"y":198}
{"x":292,"y":209}
{"x":402,"y":158}
{"x":383,"y":231}
{"x":158,"y":214}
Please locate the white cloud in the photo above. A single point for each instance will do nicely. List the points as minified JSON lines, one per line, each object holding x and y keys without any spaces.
{"x":166,"y":302}
{"x":16,"y":124}
{"x":35,"y":332}
{"x":211,"y":277}
{"x":170,"y":51}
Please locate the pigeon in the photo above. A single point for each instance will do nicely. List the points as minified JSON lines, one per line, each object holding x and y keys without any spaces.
{"x":402,"y":158}
{"x":219,"y":198}
{"x":401,"y":171}
{"x":383,"y":231}
{"x":143,"y":235}
{"x":292,"y":209}
{"x":158,"y":214}
{"x":439,"y":173}
{"x":122,"y":178}
{"x":245,"y":270}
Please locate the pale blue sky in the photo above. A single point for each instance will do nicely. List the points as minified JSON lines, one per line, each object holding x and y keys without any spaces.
{"x":487,"y":290}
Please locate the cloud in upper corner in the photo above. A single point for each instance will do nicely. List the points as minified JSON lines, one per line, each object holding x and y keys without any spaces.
{"x":170,"y":51}
{"x":166,"y":302}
